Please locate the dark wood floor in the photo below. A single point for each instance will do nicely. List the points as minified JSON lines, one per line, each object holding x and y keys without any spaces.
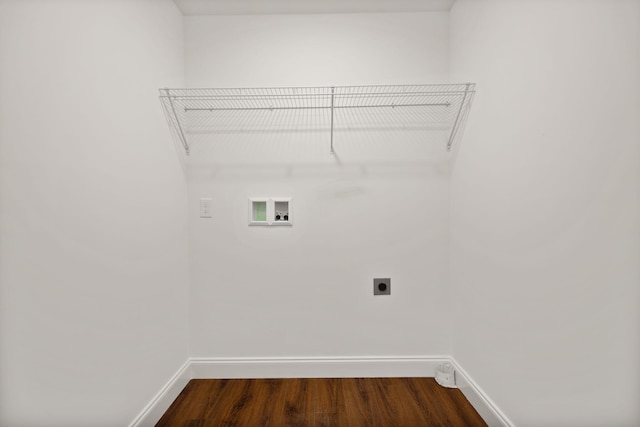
{"x":337,"y":402}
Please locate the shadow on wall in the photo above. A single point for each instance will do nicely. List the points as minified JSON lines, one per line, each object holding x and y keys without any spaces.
{"x":270,"y":134}
{"x":203,"y":171}
{"x":296,"y":144}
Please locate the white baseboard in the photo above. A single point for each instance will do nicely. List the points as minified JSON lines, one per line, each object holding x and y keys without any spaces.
{"x":152,"y":413}
{"x":487,"y":409}
{"x":317,"y":367}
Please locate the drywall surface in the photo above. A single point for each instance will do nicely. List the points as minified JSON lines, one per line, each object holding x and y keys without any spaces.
{"x":545,"y":232}
{"x":93,"y":253}
{"x":316,"y":50}
{"x":378,"y":208}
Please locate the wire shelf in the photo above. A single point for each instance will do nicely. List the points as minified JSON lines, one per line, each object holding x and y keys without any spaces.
{"x":192,"y":112}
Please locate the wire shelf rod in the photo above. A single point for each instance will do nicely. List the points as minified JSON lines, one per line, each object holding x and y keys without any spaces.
{"x":215,"y":93}
{"x":316,"y":107}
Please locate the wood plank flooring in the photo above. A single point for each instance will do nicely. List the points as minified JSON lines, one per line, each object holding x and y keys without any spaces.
{"x":316,"y":402}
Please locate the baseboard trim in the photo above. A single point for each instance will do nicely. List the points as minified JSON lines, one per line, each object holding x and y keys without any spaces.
{"x":487,"y":409}
{"x":152,"y":413}
{"x":316,"y":367}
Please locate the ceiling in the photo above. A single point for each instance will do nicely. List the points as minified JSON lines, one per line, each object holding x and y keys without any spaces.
{"x":250,"y":7}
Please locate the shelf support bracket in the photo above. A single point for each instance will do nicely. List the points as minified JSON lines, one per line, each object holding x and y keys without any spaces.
{"x":183,"y":139}
{"x":332,"y":108}
{"x":454,"y":129}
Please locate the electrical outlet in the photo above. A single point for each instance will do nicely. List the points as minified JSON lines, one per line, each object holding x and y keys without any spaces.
{"x":382,"y":286}
{"x":205,"y":208}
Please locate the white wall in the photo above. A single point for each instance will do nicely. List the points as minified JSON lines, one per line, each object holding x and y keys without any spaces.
{"x":316,"y":50}
{"x":545,"y":213}
{"x":544,"y":221}
{"x":379,"y":208}
{"x":93,"y":250}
